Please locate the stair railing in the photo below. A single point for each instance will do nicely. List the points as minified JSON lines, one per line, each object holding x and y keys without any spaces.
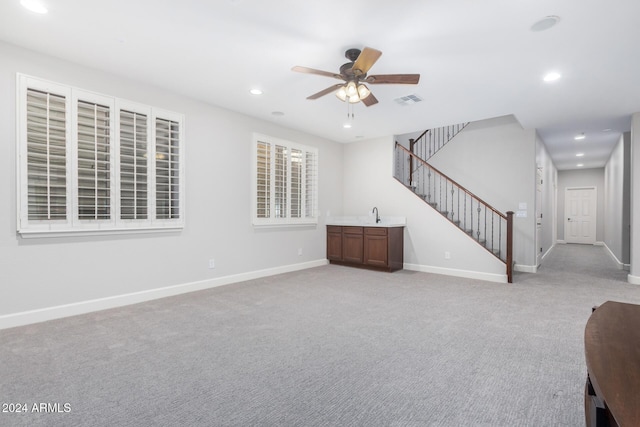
{"x":432,"y":140}
{"x":489,"y":227}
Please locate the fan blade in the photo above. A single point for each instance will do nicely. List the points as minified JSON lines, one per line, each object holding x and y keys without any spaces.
{"x":325,"y":91}
{"x":318,"y":72}
{"x":370,"y":100}
{"x":406,"y":79}
{"x":365,"y":60}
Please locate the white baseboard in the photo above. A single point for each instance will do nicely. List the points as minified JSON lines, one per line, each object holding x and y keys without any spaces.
{"x":620,"y":264}
{"x":525,"y":268}
{"x":634,"y":280}
{"x":83,"y":307}
{"x":548,"y":251}
{"x":490,"y":277}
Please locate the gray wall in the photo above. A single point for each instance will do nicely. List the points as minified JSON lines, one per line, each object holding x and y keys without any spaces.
{"x":617,"y":197}
{"x":496,"y":160}
{"x":369,"y":182}
{"x":634,"y":275}
{"x":40,"y":273}
{"x":582,"y":178}
{"x":548,"y":197}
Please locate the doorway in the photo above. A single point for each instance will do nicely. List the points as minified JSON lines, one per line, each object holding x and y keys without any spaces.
{"x":580,"y":215}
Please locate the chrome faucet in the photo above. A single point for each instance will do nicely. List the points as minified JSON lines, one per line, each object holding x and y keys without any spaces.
{"x":375,"y":209}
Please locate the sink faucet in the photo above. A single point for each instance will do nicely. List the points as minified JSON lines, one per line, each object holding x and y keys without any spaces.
{"x":375,"y":209}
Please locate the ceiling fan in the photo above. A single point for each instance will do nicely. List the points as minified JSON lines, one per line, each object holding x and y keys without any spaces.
{"x":354,"y":75}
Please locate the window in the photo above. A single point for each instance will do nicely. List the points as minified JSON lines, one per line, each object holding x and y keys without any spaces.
{"x":285,"y":182}
{"x":92,"y":163}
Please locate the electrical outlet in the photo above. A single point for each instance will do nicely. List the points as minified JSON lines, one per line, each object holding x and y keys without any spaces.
{"x":212,"y":263}
{"x":299,"y":251}
{"x":447,"y":255}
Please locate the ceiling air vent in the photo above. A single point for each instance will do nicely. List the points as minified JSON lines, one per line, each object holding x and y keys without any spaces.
{"x":408,"y":100}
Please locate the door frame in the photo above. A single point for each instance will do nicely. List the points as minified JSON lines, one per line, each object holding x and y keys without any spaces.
{"x":594,"y":216}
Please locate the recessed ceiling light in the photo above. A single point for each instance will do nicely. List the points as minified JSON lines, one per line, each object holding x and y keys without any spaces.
{"x":580,"y":155}
{"x":34,"y":6}
{"x":580,"y":165}
{"x":579,"y":137}
{"x":552,"y":77}
{"x":347,"y":125}
{"x":277,"y":113}
{"x":545,"y":23}
{"x":256,"y":92}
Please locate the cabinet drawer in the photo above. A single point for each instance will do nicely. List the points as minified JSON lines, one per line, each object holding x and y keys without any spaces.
{"x":375,"y":231}
{"x":334,"y":229}
{"x":352,"y":230}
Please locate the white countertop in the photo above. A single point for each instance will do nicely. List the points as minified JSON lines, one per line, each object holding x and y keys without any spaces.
{"x":367,"y":221}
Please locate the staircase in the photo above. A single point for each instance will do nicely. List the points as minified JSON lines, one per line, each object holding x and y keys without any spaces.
{"x":489,"y":227}
{"x":432,"y":140}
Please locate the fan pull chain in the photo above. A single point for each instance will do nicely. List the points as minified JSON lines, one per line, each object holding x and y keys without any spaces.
{"x":350,"y":116}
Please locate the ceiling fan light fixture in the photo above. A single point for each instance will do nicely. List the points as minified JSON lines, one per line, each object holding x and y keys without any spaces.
{"x":351,"y":89}
{"x":354,"y":99}
{"x":363,"y":91}
{"x":342,"y":94}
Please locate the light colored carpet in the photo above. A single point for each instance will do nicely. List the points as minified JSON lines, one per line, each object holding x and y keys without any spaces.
{"x":329,"y":346}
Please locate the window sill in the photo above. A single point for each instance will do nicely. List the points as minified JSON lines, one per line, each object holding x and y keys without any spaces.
{"x":311,"y":223}
{"x":37,"y":234}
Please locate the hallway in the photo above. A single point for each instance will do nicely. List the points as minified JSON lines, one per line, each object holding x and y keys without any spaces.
{"x":588,"y":263}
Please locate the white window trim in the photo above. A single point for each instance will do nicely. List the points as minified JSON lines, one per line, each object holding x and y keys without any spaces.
{"x":72,"y":226}
{"x":288,"y":220}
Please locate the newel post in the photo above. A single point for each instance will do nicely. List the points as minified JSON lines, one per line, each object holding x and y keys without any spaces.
{"x":412,"y":143}
{"x":510,"y":246}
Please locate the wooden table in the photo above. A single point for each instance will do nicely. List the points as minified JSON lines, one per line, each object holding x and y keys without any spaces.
{"x":612,"y":353}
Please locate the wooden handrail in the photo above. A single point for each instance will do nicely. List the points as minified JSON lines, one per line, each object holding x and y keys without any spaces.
{"x":453,"y":182}
{"x":422,"y":134}
{"x":509,"y":246}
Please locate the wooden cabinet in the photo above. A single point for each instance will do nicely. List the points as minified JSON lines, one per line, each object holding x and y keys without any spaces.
{"x":369,"y":247}
{"x":352,"y":250}
{"x":376,"y":251}
{"x":334,"y":243}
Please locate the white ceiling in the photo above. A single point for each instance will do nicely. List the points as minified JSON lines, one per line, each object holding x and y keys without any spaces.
{"x":477,"y":59}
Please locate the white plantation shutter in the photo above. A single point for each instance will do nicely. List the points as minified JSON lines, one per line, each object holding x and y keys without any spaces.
{"x":263,"y":179}
{"x":134,"y":177}
{"x":167,"y":161}
{"x":285,"y":182}
{"x":92,"y":163}
{"x":46,"y":158}
{"x":280,"y":190}
{"x":311,"y":184}
{"x":296,"y":183}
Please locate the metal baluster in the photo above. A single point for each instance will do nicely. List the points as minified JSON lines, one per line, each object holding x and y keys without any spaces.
{"x":485,"y":224}
{"x":459,"y":205}
{"x":446,"y":197}
{"x":478,"y":231}
{"x":471,"y":212}
{"x":500,"y":238}
{"x":429,"y":186}
{"x":452,"y":208}
{"x":493,"y":215}
{"x":465,"y":211}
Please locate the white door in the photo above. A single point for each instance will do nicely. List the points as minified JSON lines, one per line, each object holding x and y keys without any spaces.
{"x":539,"y":216}
{"x":580,"y":215}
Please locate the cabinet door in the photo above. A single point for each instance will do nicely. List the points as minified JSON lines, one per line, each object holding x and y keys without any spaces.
{"x":334,"y":246}
{"x":375,"y":250}
{"x":352,"y":244}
